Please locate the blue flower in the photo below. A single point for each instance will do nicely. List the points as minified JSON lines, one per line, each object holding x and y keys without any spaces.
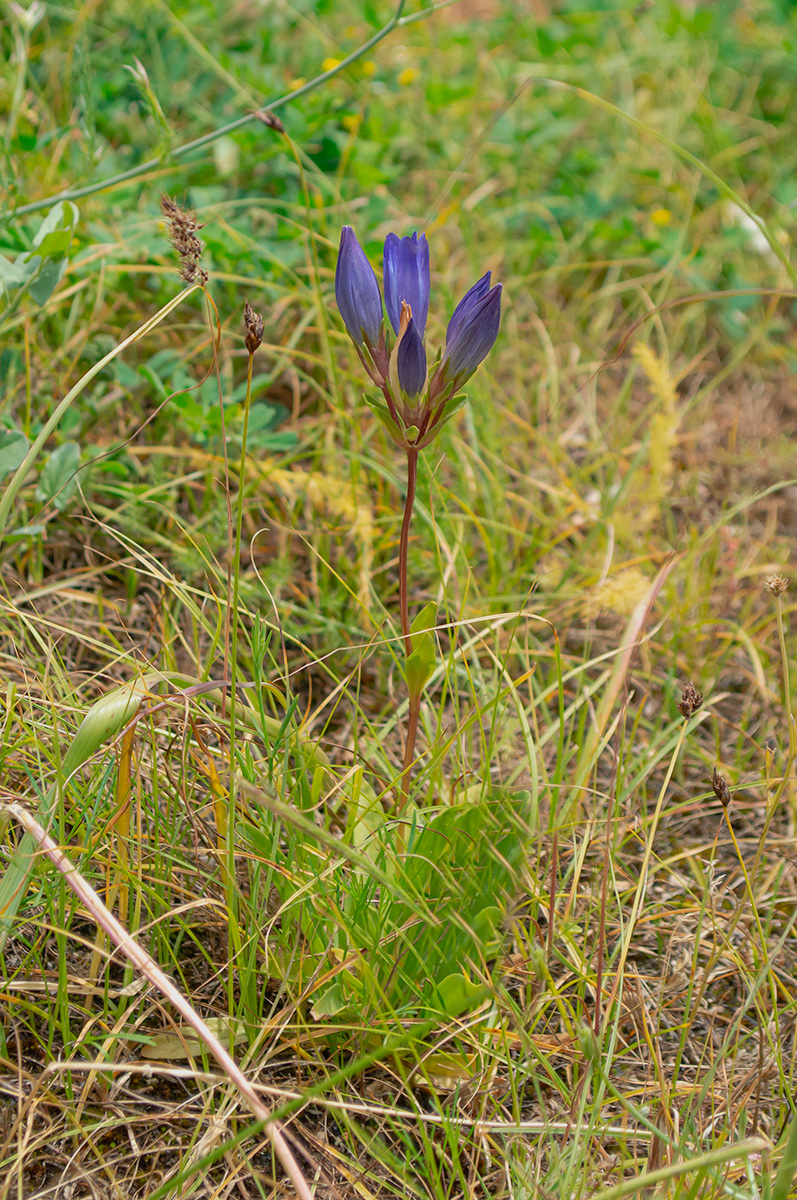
{"x":411,"y":361}
{"x":357,"y":292}
{"x":406,"y":278}
{"x":472,"y":330}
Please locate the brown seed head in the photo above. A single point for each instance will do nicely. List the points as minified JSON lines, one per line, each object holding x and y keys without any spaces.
{"x":269,"y":119}
{"x":776,"y":585}
{"x":690,"y":701}
{"x":183,"y":230}
{"x":721,"y":789}
{"x":253,"y":325}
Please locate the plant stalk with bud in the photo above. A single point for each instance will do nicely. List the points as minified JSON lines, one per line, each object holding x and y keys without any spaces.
{"x":417,"y":399}
{"x":253,"y":336}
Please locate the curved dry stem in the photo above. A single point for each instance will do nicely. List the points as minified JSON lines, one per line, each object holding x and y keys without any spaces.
{"x":147,"y":965}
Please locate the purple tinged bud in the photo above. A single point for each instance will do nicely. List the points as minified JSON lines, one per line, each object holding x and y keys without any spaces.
{"x":406,"y":278}
{"x":411,"y":361}
{"x":472,"y":330}
{"x":466,"y":306}
{"x":357,"y":291}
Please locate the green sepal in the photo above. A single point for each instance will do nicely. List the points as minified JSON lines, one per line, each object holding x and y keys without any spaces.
{"x":382,"y":412}
{"x":450,"y":409}
{"x":420,"y":663}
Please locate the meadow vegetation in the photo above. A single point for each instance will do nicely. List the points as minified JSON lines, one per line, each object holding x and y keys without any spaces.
{"x":556,"y":955}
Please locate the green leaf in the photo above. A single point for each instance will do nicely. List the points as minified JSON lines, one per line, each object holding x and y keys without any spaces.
{"x":381,"y":412}
{"x":12,"y":274}
{"x":330,"y":1002}
{"x":13,"y":448}
{"x":176,"y":1047}
{"x":465,"y":863}
{"x":47,"y":280}
{"x":25,"y":531}
{"x":107,"y":717}
{"x":455,"y":992}
{"x":58,"y":481}
{"x":450,"y":409}
{"x":420,"y":664}
{"x":54,"y":245}
{"x":61,"y":217}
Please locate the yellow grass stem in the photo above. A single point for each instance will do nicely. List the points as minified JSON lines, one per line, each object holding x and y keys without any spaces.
{"x":784,"y":658}
{"x":643,"y":872}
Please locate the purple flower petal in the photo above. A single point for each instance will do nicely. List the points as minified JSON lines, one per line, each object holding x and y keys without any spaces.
{"x":406,"y":277}
{"x":357,"y":291}
{"x":465,"y":307}
{"x":475,"y":324}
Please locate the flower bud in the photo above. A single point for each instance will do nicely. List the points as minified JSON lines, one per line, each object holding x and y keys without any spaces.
{"x":472,"y":330}
{"x":357,"y":292}
{"x":411,"y":361}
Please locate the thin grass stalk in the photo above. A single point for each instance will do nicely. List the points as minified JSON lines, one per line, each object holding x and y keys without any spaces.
{"x":702,"y":1163}
{"x":781,"y":1188}
{"x":14,"y":485}
{"x":206,"y":139}
{"x":226,"y":833}
{"x":765,"y":958}
{"x":643,"y":871}
{"x":143,"y":962}
{"x":118,"y":882}
{"x":784,"y":658}
{"x":123,"y":823}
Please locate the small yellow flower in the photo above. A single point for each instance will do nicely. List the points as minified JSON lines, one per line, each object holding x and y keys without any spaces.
{"x":295,"y":84}
{"x":369,"y":68}
{"x":329,"y":64}
{"x":407,"y":76}
{"x":661,"y":216}
{"x":351,"y":122}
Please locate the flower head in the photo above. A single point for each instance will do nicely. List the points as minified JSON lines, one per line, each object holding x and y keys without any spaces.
{"x":406,"y":263}
{"x":472,"y":330}
{"x":357,"y":292}
{"x":415,"y":403}
{"x":253,"y":328}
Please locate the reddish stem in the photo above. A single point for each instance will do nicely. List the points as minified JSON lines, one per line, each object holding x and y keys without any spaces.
{"x":415,"y":701}
{"x":409,"y":747}
{"x":412,"y":477}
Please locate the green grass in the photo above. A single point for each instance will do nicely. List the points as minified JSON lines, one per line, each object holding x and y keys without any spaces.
{"x":567,"y":971}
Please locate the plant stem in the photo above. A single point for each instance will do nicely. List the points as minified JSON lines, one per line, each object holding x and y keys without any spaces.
{"x":412,"y":478}
{"x":236,"y":580}
{"x":784,"y":656}
{"x":409,"y":748}
{"x":415,"y":700}
{"x":187,"y":148}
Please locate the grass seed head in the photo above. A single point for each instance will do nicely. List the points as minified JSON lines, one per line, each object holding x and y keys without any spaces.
{"x":253,"y":326}
{"x":691,"y":700}
{"x":183,"y":235}
{"x":777,"y":584}
{"x":721,"y":789}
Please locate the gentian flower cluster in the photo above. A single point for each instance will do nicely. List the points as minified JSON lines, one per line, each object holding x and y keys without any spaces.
{"x":418,"y":398}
